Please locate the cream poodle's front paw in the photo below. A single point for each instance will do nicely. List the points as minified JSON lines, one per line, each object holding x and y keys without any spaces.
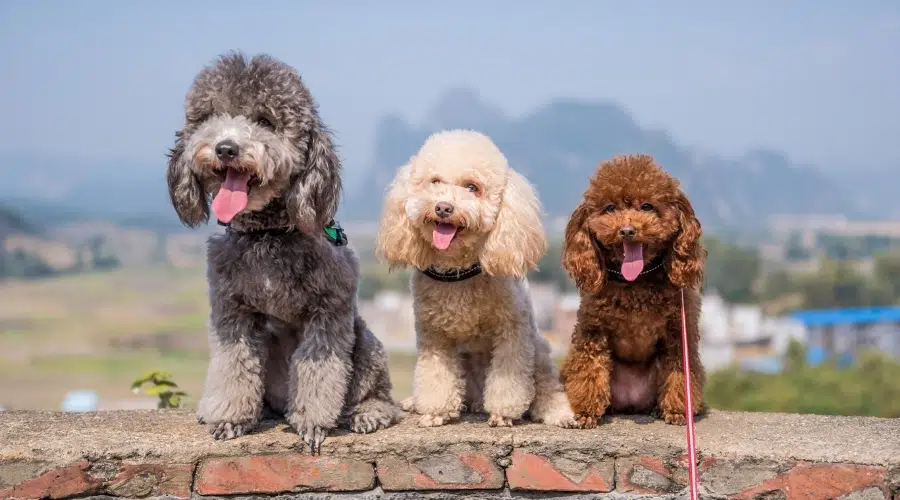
{"x":408,"y":405}
{"x":435,"y":420}
{"x":500,"y":421}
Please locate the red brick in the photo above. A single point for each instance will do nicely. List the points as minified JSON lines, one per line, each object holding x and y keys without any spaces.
{"x":820,"y":481}
{"x":459,"y":471}
{"x":143,"y":480}
{"x":56,"y":483}
{"x":539,"y":473}
{"x":281,"y":474}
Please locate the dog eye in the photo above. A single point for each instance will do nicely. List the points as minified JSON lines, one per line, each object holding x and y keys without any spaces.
{"x":610,"y":208}
{"x":646,"y":207}
{"x":435,"y":181}
{"x":472,"y":187}
{"x":264,"y":122}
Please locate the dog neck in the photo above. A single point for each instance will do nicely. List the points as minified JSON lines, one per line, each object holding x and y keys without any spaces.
{"x":272,"y":218}
{"x":652,"y":267}
{"x":452,"y":275}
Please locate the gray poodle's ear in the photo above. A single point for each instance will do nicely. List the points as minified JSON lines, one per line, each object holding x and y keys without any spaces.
{"x":313,"y":197}
{"x":185,"y":190}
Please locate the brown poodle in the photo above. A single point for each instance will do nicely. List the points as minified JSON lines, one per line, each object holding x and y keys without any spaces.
{"x":631,"y":245}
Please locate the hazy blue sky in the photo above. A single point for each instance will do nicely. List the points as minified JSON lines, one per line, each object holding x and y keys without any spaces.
{"x":817,"y":78}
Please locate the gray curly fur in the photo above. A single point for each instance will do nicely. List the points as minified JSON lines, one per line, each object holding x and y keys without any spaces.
{"x":284,"y":332}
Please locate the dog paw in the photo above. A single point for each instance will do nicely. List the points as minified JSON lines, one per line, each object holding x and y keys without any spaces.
{"x":434,"y":420}
{"x":408,"y":404}
{"x":373,"y":418}
{"x":230,"y":430}
{"x":311,"y":434}
{"x":500,"y":421}
{"x":674,"y":418}
{"x":587,"y":421}
{"x":567,"y":422}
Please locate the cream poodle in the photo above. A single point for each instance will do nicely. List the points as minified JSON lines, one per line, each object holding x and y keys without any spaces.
{"x":472,"y":227}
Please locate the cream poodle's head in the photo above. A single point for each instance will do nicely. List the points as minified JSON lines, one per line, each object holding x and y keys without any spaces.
{"x":457,"y":202}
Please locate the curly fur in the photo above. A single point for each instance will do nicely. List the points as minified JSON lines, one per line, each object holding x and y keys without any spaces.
{"x":284,"y":327}
{"x":478,"y":344}
{"x":625,"y":352}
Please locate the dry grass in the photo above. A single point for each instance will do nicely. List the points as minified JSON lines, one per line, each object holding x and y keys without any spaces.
{"x":93,"y":332}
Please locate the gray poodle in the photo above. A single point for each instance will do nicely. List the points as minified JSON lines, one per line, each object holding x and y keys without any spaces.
{"x":285,"y":333}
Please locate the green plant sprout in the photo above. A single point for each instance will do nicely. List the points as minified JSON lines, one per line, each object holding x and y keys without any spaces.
{"x":162,"y":387}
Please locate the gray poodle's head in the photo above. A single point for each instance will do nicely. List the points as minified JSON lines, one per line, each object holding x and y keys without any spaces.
{"x":252,"y":135}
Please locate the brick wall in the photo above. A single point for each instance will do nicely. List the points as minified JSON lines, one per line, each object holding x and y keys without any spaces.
{"x":146,"y":454}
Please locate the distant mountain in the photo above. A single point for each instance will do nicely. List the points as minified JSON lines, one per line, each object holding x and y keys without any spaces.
{"x":52,"y":191}
{"x":559,"y":145}
{"x":13,"y":222}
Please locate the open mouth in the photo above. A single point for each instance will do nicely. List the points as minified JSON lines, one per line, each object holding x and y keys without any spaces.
{"x":443,"y":235}
{"x":231,"y":198}
{"x":632,"y":260}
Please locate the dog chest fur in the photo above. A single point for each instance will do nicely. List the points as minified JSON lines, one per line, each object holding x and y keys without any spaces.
{"x":456,"y":309}
{"x":275,"y":290}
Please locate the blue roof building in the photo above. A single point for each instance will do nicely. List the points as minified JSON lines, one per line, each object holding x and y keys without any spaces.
{"x":843,"y":332}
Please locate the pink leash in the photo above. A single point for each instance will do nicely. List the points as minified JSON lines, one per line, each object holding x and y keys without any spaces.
{"x":688,"y":412}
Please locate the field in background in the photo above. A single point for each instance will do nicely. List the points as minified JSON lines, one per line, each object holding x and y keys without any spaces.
{"x":101,"y":331}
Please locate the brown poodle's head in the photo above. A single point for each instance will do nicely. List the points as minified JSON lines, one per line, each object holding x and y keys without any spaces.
{"x":458,"y":202}
{"x":633,"y":217}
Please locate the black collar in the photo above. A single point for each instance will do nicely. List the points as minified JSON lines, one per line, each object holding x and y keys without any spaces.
{"x":453,"y":275}
{"x":334,"y":233}
{"x":263,"y":230}
{"x":654,"y":265}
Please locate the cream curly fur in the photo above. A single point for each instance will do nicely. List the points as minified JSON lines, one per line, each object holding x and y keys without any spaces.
{"x":479,"y":347}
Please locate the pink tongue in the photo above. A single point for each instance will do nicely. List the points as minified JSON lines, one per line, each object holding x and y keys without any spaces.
{"x":232,"y":196}
{"x":443,"y":235}
{"x":634,"y":261}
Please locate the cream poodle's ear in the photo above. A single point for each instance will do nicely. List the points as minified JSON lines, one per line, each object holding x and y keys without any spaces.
{"x":397,"y":242}
{"x":517,"y":242}
{"x":316,"y":189}
{"x":581,"y":257}
{"x":185,"y":191}
{"x":685,"y":264}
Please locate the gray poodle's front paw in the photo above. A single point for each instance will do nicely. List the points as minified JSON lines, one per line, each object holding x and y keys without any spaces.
{"x":311,"y":434}
{"x":230,"y":430}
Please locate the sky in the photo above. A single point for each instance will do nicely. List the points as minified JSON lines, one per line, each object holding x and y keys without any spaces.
{"x":819,"y":79}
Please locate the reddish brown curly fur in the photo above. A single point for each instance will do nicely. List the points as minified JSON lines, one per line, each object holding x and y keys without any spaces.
{"x":625,"y":354}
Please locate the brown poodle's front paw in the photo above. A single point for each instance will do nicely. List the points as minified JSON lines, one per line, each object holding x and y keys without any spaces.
{"x":674,"y":418}
{"x":434,"y":420}
{"x":500,"y":421}
{"x":587,"y":421}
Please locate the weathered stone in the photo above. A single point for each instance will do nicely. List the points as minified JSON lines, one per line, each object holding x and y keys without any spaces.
{"x":820,"y":481}
{"x":282,"y":473}
{"x":146,"y":480}
{"x":870,"y":493}
{"x":728,"y":477}
{"x":539,"y":473}
{"x":645,"y":475}
{"x":447,"y":471}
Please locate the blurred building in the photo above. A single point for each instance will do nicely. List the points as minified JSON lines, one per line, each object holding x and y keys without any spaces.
{"x":842,"y":333}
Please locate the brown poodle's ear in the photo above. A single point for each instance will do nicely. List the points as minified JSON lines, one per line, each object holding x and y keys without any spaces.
{"x":517,"y":242}
{"x":397,"y":242}
{"x":313,"y":197}
{"x":580,"y":256}
{"x":685,"y":264}
{"x":185,"y":191}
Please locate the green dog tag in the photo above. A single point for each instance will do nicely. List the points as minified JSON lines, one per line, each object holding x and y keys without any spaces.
{"x":335,"y":234}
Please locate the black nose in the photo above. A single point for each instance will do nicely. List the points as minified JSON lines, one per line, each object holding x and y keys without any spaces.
{"x":227,"y":150}
{"x":627,"y":232}
{"x":443,"y":210}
